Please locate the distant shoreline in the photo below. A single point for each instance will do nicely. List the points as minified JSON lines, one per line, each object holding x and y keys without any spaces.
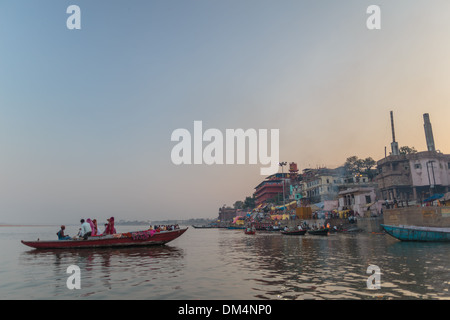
{"x":27,"y":225}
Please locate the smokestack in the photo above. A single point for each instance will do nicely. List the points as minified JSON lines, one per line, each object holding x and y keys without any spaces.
{"x":428,"y":132}
{"x":394,"y":144}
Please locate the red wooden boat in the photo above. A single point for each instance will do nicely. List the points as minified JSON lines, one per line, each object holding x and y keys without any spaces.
{"x":137,"y":238}
{"x":250,"y":231}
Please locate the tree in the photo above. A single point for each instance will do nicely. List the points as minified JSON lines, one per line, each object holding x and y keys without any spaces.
{"x":249,"y":203}
{"x":355,"y":166}
{"x":407,"y":150}
{"x":368,"y":164}
{"x":238,"y":205}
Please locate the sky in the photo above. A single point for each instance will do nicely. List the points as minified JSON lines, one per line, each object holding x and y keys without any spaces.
{"x":86,"y":116}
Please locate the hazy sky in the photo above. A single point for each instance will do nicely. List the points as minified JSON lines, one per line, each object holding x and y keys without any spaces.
{"x":86,"y":116}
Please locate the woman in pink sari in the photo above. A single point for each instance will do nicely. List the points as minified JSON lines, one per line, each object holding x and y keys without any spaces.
{"x":110,"y":226}
{"x":97,"y":232}
{"x":93,"y":229}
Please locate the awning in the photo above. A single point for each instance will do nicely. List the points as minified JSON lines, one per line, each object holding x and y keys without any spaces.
{"x":238,"y":218}
{"x":321,"y":205}
{"x":315,"y":208}
{"x":445,"y":197}
{"x":368,"y":205}
{"x":434,"y":197}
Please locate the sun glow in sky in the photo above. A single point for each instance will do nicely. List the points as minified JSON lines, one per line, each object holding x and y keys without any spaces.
{"x":86,"y":115}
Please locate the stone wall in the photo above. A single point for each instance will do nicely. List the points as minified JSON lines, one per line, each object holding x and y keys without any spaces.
{"x":418,"y":216}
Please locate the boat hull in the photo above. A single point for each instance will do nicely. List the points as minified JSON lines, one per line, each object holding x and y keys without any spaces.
{"x":138,"y":239}
{"x":204,"y":227}
{"x":421,"y":234}
{"x":294,"y":233}
{"x":320,"y":232}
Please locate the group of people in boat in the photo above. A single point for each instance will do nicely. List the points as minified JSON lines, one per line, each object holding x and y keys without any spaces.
{"x":89,"y":228}
{"x":305,"y":226}
{"x":250,"y":228}
{"x":164,"y":227}
{"x":317,"y":226}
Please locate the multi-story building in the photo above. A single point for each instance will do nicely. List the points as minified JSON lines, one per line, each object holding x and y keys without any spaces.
{"x":270,"y":188}
{"x":323,"y":184}
{"x":320,"y":185}
{"x":414,"y":176}
{"x":276,"y":186}
{"x":361,"y":200}
{"x":227,"y":213}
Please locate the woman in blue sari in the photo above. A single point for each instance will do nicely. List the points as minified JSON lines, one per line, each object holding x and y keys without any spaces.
{"x":61,"y":235}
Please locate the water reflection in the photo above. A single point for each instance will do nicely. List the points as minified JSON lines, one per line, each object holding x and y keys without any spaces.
{"x":104,"y":269}
{"x":335,"y":267}
{"x":421,"y":270}
{"x":227,"y":264}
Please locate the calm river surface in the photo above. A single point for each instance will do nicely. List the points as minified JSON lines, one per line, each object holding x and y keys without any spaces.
{"x":225,"y":264}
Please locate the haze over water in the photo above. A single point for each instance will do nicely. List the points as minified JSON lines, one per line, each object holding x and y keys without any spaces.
{"x":227,"y":264}
{"x":86,"y":116}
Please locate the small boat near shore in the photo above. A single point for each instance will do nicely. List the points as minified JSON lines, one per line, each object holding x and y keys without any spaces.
{"x":416,"y":233}
{"x":294,"y":232}
{"x":128,"y":239}
{"x":273,"y":229}
{"x":319,"y":232}
{"x":205,"y":226}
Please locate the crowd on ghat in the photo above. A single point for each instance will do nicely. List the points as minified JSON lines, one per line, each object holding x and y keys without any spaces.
{"x":89,"y":228}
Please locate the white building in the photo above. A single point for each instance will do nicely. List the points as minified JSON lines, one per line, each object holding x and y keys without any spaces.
{"x":361,"y":200}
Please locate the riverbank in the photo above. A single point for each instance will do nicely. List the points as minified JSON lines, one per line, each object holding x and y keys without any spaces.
{"x":27,"y":225}
{"x":363,"y":224}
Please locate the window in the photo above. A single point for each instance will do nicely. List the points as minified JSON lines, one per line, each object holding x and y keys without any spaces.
{"x":368,"y":199}
{"x":417,"y":166}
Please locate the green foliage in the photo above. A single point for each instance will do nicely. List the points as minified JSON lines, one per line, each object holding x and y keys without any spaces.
{"x":407,"y":150}
{"x":355,"y":166}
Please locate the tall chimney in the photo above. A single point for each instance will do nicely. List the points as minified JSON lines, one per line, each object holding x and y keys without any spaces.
{"x":428,"y":132}
{"x":394,"y":144}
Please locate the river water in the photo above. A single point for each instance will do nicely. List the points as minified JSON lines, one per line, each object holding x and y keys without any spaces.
{"x":220,"y":264}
